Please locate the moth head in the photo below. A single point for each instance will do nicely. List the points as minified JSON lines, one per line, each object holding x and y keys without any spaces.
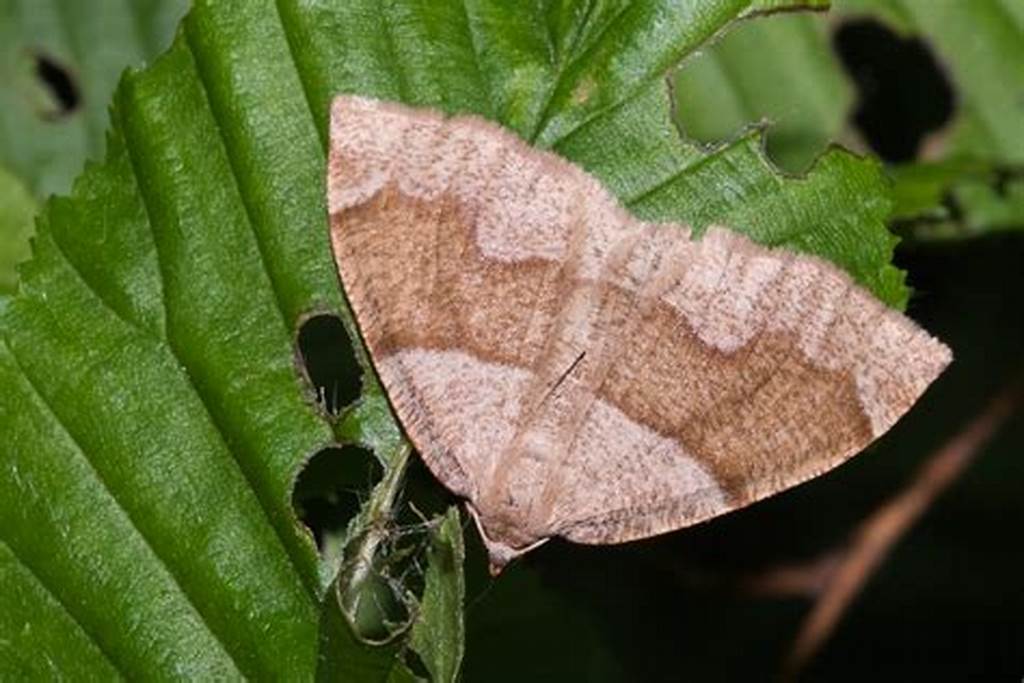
{"x":499,"y":554}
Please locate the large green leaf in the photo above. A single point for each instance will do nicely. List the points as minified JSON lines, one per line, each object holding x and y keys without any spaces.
{"x":153,"y":416}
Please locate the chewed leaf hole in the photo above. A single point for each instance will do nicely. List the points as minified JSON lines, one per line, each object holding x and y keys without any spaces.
{"x":904,"y":94}
{"x":59,"y":82}
{"x":331,"y":488}
{"x":328,"y":361}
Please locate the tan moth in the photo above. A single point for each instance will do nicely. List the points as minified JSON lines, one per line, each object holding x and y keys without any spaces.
{"x":573,"y":371}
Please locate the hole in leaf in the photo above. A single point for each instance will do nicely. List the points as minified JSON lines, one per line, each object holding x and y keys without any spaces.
{"x":903,"y":92}
{"x":328,"y":361}
{"x":424,"y":495}
{"x":331,"y":488}
{"x":59,"y":84}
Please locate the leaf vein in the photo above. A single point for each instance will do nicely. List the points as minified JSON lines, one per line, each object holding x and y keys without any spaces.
{"x":203,"y":398}
{"x":232,"y":155}
{"x":477,"y":64}
{"x":389,"y":39}
{"x":91,"y":635}
{"x":571,"y":60}
{"x":99,"y":297}
{"x":289,"y":40}
{"x":676,"y":175}
{"x":150,"y":546}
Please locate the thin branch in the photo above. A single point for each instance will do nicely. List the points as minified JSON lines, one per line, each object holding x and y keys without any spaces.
{"x":801,"y":580}
{"x":878,"y":533}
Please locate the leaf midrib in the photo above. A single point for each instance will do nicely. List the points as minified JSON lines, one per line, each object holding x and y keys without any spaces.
{"x":309,"y":583}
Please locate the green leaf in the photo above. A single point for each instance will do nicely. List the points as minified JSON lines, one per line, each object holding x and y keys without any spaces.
{"x":154,"y":419}
{"x":40,"y":638}
{"x":42,"y":140}
{"x":345,"y":655}
{"x":439,"y":633}
{"x":767,"y":6}
{"x":957,"y":199}
{"x":17,"y":212}
{"x":778,"y":69}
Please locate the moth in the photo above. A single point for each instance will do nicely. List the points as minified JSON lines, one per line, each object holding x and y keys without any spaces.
{"x":572,"y":371}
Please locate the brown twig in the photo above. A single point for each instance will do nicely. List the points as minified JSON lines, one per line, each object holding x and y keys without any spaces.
{"x":799,"y":580}
{"x":879,"y":532}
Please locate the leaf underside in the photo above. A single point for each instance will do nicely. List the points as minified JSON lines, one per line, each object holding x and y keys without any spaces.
{"x":153,"y":415}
